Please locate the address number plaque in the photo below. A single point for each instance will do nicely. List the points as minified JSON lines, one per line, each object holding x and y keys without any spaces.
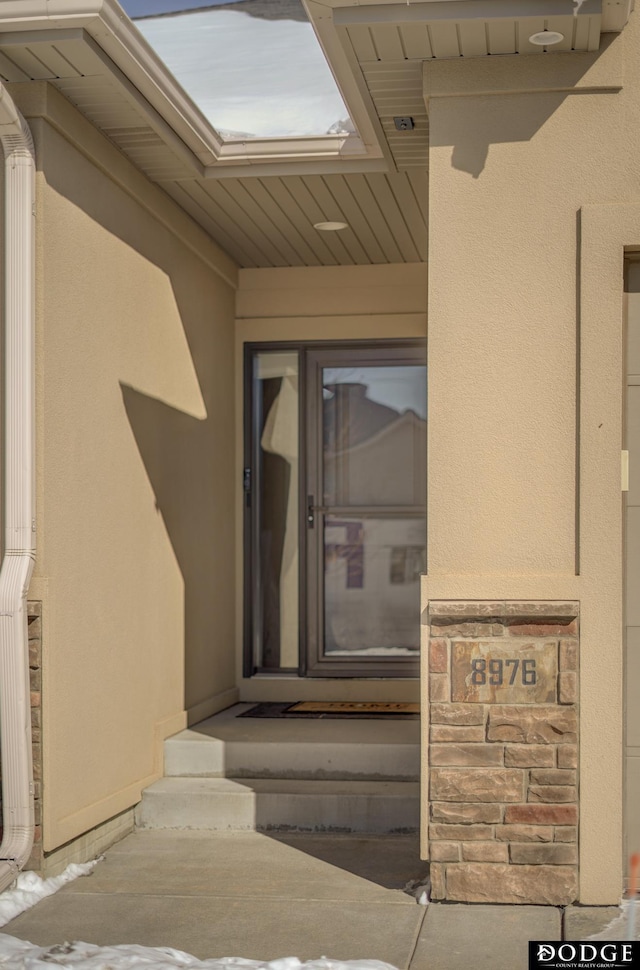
{"x":490,"y":673}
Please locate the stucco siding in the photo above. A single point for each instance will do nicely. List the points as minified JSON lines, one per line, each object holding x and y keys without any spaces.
{"x":135,"y":476}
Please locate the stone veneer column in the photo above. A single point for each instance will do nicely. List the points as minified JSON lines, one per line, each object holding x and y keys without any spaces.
{"x":503,"y":751}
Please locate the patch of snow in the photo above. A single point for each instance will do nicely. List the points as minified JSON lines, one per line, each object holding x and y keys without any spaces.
{"x":420,"y":889}
{"x":20,"y":955}
{"x":29,"y":889}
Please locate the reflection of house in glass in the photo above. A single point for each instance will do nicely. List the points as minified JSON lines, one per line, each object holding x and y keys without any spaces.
{"x":375,"y":465}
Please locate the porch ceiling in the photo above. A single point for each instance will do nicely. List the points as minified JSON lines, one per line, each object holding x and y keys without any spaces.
{"x":260,"y":201}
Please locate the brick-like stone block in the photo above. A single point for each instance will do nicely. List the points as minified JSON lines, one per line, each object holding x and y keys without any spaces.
{"x":524,"y":833}
{"x":438,"y":656}
{"x":568,"y":655}
{"x":568,"y":756}
{"x":34,"y":627}
{"x":438,"y":687}
{"x":445,"y":852}
{"x":460,"y":832}
{"x":568,"y":687}
{"x":533,"y":609}
{"x":437,"y":876}
{"x":485,"y":852}
{"x":532,"y":725}
{"x":461,"y":813}
{"x":34,"y":608}
{"x":34,"y":654}
{"x":535,"y":885}
{"x":552,"y":793}
{"x":565,"y":833}
{"x":37,"y":762}
{"x":36,"y":699}
{"x":452,"y":732}
{"x":35,"y":679}
{"x":554,"y":776}
{"x":36,"y":717}
{"x":477,"y":784}
{"x":456,"y":714}
{"x":453,"y":609}
{"x":466,"y":628}
{"x":542,"y":814}
{"x":550,"y":853}
{"x":478,"y":755}
{"x":545,"y":628}
{"x":529,"y":755}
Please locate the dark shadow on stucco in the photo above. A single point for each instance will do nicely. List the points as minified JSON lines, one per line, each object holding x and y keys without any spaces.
{"x":180,"y":456}
{"x":480,"y":121}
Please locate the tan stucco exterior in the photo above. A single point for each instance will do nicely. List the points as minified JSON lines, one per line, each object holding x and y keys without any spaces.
{"x":523,"y":162}
{"x":135,"y":473}
{"x":142,"y":321}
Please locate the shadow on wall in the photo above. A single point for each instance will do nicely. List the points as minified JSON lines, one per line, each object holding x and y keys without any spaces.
{"x":481,"y":123}
{"x":179,"y":453}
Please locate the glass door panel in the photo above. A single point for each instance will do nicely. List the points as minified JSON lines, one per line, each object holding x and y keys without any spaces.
{"x":367,"y":535}
{"x":272,"y":480}
{"x":335,"y":508}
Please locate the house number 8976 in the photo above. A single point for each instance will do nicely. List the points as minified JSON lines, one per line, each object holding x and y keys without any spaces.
{"x":499,"y":672}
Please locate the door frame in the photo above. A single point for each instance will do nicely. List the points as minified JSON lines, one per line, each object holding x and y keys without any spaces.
{"x":416,"y":349}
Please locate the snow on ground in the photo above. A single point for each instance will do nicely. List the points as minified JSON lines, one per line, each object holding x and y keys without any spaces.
{"x":29,"y":889}
{"x":20,"y":955}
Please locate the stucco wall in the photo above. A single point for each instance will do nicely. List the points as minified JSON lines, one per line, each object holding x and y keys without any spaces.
{"x":521,"y":150}
{"x":135,"y":471}
{"x":322,"y":303}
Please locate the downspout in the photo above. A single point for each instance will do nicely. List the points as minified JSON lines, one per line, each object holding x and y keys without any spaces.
{"x":18,"y":501}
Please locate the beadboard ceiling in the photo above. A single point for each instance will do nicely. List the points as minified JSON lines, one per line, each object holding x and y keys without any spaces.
{"x":261,"y":208}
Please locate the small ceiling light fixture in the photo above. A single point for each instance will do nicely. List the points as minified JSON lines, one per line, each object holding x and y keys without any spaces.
{"x":330,"y":226}
{"x":546,"y":38}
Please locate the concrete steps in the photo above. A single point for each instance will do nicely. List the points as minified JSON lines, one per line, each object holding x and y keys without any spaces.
{"x":288,"y":775}
{"x":286,"y":805}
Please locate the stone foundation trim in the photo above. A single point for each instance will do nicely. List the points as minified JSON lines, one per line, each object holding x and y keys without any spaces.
{"x":503,"y":802}
{"x":34,"y":633}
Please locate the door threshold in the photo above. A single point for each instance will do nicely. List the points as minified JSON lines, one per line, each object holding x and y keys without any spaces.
{"x":289,"y":689}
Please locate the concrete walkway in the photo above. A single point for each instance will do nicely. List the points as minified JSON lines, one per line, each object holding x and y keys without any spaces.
{"x":261,"y":897}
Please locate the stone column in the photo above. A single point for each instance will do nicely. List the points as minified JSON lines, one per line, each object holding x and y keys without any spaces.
{"x":503,"y":751}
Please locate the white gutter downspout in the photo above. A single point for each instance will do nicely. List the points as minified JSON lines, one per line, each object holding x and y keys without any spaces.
{"x":18,"y":505}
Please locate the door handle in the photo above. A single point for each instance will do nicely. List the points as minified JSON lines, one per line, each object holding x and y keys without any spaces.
{"x":312,"y":509}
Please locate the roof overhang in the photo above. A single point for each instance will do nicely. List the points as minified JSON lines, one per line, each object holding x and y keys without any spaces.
{"x":110,"y":40}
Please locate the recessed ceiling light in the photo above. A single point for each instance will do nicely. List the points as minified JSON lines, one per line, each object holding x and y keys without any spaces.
{"x":330,"y":226}
{"x":546,"y":38}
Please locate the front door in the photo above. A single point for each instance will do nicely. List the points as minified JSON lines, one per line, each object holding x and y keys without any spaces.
{"x":335,"y":482}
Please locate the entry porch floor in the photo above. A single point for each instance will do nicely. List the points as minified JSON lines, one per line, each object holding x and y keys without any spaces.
{"x":258,"y":896}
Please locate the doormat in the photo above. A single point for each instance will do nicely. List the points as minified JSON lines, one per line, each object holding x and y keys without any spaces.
{"x":337,"y":709}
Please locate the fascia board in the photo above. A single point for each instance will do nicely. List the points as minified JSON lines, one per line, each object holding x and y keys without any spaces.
{"x":348,"y":76}
{"x":432,"y":11}
{"x":615,"y":13}
{"x":110,"y":28}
